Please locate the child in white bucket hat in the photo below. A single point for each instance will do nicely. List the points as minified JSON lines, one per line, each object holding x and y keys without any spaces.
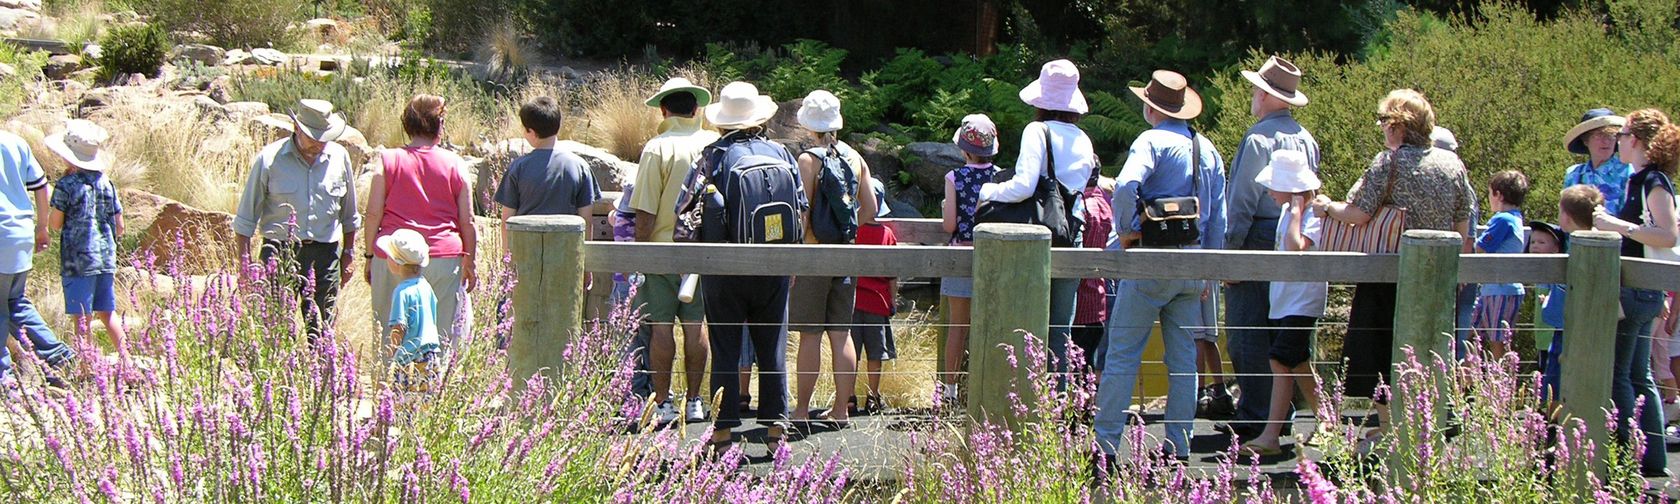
{"x":86,"y":209}
{"x":1295,"y":306}
{"x":414,"y":335}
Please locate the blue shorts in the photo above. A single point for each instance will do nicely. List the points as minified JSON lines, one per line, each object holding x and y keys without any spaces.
{"x":86,"y":295}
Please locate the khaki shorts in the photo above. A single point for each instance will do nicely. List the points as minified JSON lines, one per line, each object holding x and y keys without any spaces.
{"x":659,"y":304}
{"x":821,"y":304}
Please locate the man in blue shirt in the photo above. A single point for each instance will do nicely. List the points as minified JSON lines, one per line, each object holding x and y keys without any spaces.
{"x":23,"y":232}
{"x":1160,"y":165}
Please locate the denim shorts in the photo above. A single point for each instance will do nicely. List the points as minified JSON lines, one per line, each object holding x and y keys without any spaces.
{"x":86,"y":295}
{"x":959,"y":287}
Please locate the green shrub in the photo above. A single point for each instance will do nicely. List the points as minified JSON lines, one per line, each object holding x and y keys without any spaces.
{"x":132,"y":50}
{"x":228,"y":23}
{"x":14,"y":92}
{"x":1508,"y":85}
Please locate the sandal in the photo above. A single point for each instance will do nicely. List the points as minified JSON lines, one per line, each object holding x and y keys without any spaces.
{"x":1253,"y":448}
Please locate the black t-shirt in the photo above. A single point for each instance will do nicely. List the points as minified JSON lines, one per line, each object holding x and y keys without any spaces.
{"x":1633,"y":210}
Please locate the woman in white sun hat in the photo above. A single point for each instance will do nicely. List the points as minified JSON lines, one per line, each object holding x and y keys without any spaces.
{"x":86,"y":209}
{"x":822,"y":305}
{"x":1053,"y":137}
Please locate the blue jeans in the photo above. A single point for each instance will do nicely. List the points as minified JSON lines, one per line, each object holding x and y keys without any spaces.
{"x":1248,"y":305}
{"x":1631,"y":377}
{"x":22,"y":320}
{"x":1063,"y":294}
{"x":1465,"y":312}
{"x":1139,"y":304}
{"x":641,"y":382}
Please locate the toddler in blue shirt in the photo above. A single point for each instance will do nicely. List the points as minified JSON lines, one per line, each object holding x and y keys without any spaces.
{"x":414,"y":335}
{"x":88,"y":214}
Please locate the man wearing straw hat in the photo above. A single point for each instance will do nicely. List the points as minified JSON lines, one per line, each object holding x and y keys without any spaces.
{"x":1168,"y":161}
{"x":301,"y":197}
{"x":23,"y":232}
{"x":1251,"y":225}
{"x":659,"y":181}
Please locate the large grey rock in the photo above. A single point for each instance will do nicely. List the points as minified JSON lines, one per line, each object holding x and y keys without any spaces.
{"x":928,"y":162}
{"x":34,"y":5}
{"x":610,"y":172}
{"x":203,"y":54}
{"x":260,"y":56}
{"x":323,"y":28}
{"x":881,"y":155}
{"x":61,"y":66}
{"x":12,"y":19}
{"x":268,"y":128}
{"x":246,"y":110}
{"x":210,"y":110}
{"x":784,"y":127}
{"x":357,"y":145}
{"x":220,"y":89}
{"x":907,"y":202}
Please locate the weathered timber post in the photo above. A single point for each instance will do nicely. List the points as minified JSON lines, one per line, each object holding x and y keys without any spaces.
{"x":1011,"y":295}
{"x":1595,"y":281}
{"x":548,"y":300}
{"x":1425,"y":299}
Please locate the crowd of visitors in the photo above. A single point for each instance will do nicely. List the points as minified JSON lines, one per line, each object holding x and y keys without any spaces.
{"x":712,"y":174}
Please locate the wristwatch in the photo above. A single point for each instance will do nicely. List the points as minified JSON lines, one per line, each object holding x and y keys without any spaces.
{"x":1628,"y":231}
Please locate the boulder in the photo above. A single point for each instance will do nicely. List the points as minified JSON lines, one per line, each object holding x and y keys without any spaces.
{"x":13,"y":19}
{"x":220,"y":89}
{"x":209,"y":110}
{"x":246,"y":110}
{"x":182,"y":233}
{"x":260,"y":57}
{"x":487,"y":169}
{"x":34,"y":5}
{"x":356,"y":143}
{"x":331,"y":63}
{"x":610,"y":172}
{"x":204,"y":54}
{"x":268,"y":128}
{"x":907,"y":202}
{"x":882,"y":156}
{"x":929,"y":161}
{"x":61,"y":66}
{"x":7,"y":72}
{"x":326,"y":29}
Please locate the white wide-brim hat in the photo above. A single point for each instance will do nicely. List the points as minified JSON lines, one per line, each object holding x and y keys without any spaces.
{"x":739,"y":106}
{"x":820,"y":112}
{"x":405,"y":247}
{"x":318,"y":120}
{"x":1288,"y":172}
{"x":81,"y":144}
{"x":1057,"y":88}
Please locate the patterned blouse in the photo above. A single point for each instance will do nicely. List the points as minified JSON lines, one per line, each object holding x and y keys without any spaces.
{"x":1431,"y":184}
{"x":89,"y":243}
{"x":967,"y":179}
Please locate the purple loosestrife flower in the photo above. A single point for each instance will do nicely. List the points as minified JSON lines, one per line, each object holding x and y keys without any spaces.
{"x":1319,"y":489}
{"x":458,"y":482}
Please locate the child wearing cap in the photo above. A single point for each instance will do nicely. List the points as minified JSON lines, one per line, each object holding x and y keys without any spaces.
{"x":1548,"y":239}
{"x":1295,"y":306}
{"x":978,"y":140}
{"x":872,"y":334}
{"x":414,"y":335}
{"x":86,"y":209}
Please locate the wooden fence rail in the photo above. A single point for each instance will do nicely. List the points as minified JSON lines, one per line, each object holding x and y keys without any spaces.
{"x":549,"y":255}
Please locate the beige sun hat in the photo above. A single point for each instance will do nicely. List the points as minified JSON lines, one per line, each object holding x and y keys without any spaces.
{"x":405,"y":247}
{"x":1280,"y":78}
{"x":318,"y":120}
{"x":1169,"y":93}
{"x":1590,"y":121}
{"x":81,"y":144}
{"x":739,"y":106}
{"x":702,"y":97}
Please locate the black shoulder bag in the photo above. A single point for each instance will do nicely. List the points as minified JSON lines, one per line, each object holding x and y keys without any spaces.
{"x":1175,"y":222}
{"x":1051,"y":205}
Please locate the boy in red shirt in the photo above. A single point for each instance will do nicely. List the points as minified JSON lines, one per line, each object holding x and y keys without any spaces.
{"x":872,"y":313}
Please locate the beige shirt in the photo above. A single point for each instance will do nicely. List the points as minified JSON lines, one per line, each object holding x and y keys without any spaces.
{"x":665,"y":162}
{"x":282,"y":185}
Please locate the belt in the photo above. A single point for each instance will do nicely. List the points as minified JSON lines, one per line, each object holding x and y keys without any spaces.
{"x":301,"y":243}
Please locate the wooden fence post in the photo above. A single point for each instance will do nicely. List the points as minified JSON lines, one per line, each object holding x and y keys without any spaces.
{"x":548,"y":300}
{"x":1589,"y":322}
{"x":1011,"y":294}
{"x":1425,"y":300}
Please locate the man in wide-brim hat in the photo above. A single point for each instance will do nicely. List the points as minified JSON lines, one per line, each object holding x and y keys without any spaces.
{"x":1595,"y":137}
{"x":300,"y":197}
{"x":1251,"y":224}
{"x":1167,"y":161}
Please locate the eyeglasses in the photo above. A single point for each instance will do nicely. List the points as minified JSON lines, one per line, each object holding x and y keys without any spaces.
{"x":1620,"y":134}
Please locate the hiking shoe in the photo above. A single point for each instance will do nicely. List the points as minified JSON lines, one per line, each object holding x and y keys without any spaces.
{"x":1671,"y":436}
{"x":694,"y":410}
{"x":1221,"y":404}
{"x":665,"y":413}
{"x":874,"y":404}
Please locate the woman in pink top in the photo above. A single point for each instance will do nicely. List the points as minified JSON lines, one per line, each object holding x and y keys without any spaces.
{"x":422,"y":187}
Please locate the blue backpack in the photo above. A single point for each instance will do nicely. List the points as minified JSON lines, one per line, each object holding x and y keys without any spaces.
{"x":757,"y":199}
{"x":834,"y":208}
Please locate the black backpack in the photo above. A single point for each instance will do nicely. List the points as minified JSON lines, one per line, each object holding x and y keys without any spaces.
{"x":834,"y":208}
{"x":762,"y":200}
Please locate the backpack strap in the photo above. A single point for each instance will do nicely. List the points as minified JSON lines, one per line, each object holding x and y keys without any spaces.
{"x":1195,"y":164}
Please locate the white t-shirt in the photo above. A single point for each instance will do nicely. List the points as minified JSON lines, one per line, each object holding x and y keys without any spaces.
{"x":1299,"y":299}
{"x":1075,"y":159}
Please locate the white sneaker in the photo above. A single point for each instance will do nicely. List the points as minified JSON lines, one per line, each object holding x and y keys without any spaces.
{"x":1671,"y":436}
{"x":1671,"y":410}
{"x":695,"y":410}
{"x":665,"y":413}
